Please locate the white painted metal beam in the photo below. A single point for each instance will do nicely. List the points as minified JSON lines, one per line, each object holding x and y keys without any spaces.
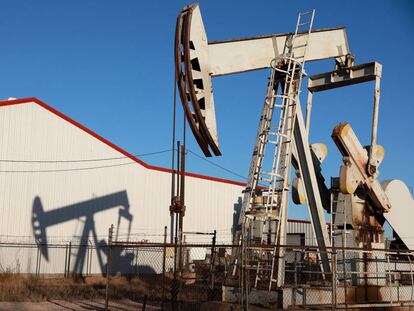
{"x":239,"y":55}
{"x":313,"y":198}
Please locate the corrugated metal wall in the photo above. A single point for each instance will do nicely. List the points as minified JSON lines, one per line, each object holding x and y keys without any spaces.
{"x":55,"y":200}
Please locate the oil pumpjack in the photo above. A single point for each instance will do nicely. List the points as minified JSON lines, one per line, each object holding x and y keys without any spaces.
{"x":357,"y":201}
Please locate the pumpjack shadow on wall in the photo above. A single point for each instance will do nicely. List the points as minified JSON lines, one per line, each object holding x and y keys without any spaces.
{"x":41,"y":220}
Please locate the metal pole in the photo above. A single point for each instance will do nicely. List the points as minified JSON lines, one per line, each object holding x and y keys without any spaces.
{"x":173,"y":161}
{"x":182,"y":199}
{"x":175,"y":287}
{"x":213,"y":257}
{"x":344,"y":263}
{"x":87,"y":258}
{"x":66,"y":260}
{"x":108,"y":265}
{"x":295,"y":279}
{"x":144,"y":305}
{"x":69,"y":255}
{"x":90,"y":258}
{"x":163,"y":267}
{"x":334,"y":278}
{"x":37,"y":260}
{"x":177,"y":190}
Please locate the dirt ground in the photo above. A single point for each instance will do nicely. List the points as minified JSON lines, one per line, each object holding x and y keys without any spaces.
{"x":82,"y":305}
{"x":87,"y":305}
{"x":30,"y":293}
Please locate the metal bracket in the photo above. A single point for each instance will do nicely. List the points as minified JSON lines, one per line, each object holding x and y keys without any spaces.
{"x":349,"y":76}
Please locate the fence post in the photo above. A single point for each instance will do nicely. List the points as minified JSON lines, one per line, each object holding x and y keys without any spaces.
{"x":144,"y":305}
{"x":334,"y":277}
{"x":108,"y":265}
{"x":174,"y":285}
{"x":66,"y":261}
{"x":69,"y":255}
{"x":212,"y":259}
{"x":90,"y":257}
{"x":295,"y":279}
{"x":37,"y":259}
{"x":164,"y":254}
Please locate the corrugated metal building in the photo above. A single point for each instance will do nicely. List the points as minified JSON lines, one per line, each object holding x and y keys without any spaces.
{"x":62,"y":182}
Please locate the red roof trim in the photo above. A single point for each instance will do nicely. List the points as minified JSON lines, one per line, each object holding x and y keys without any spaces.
{"x":119,"y":149}
{"x":107,"y":142}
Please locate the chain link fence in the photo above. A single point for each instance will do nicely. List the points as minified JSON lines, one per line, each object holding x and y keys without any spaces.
{"x":171,"y":277}
{"x":154,"y":276}
{"x":359,"y":278}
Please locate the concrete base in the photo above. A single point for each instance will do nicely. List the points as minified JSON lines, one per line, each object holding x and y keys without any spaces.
{"x":352,"y":296}
{"x":312,"y":296}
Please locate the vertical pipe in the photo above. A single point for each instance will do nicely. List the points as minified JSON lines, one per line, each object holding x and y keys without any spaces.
{"x":182,"y":199}
{"x":182,"y":196}
{"x":177,"y":190}
{"x":174,"y":284}
{"x":174,"y":293}
{"x":176,"y":215}
{"x":173,"y":161}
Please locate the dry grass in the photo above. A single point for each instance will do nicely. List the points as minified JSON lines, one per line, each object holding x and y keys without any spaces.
{"x":18,"y":288}
{"x":15,"y":287}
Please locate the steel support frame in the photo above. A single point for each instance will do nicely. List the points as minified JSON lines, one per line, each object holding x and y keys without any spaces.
{"x":349,"y":76}
{"x":313,"y":198}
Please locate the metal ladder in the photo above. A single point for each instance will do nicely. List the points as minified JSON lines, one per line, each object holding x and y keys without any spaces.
{"x":274,"y":210}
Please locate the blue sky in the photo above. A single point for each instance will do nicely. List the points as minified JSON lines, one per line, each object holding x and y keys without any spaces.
{"x":109,"y":65}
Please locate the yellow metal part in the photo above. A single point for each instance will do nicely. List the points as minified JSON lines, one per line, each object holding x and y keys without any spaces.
{"x":320,"y":151}
{"x":298,"y":191}
{"x":348,"y":179}
{"x":356,"y":160}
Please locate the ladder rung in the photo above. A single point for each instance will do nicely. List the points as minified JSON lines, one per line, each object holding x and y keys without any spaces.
{"x":272,"y":174}
{"x":265,"y":179}
{"x":283,"y":135}
{"x":299,"y":46}
{"x":305,"y":23}
{"x":283,"y":96}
